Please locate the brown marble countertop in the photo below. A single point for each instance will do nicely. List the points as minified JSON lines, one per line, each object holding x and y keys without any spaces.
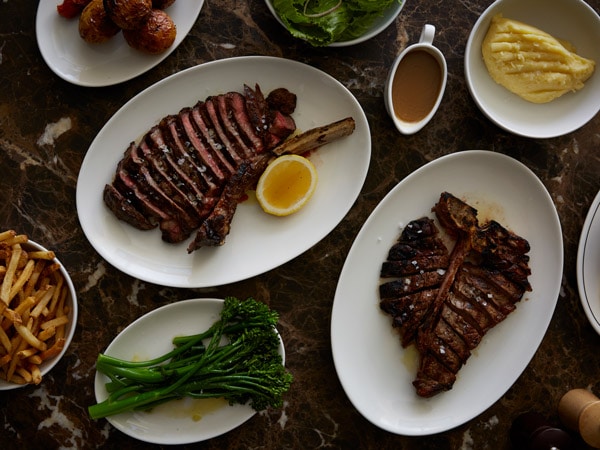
{"x":37,"y":192}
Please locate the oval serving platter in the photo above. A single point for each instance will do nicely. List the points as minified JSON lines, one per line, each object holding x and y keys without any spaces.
{"x":258,"y":242}
{"x":374,"y":370}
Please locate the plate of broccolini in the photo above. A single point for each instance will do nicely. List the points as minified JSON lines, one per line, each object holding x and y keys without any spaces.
{"x":192,"y":370}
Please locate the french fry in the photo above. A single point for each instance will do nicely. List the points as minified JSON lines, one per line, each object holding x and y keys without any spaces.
{"x":45,"y":255}
{"x":33,"y":309}
{"x":8,"y":234}
{"x":55,"y":323}
{"x":25,"y":374}
{"x":5,"y":359}
{"x":17,"y":240}
{"x":54,"y":350}
{"x":35,"y":275}
{"x":46,"y":333}
{"x":41,"y":305}
{"x":5,"y":341}
{"x":10,"y":274}
{"x":27,"y":353}
{"x":30,"y":338}
{"x":23,"y":277}
{"x":36,"y":374}
{"x":35,"y":359}
{"x":19,"y":344}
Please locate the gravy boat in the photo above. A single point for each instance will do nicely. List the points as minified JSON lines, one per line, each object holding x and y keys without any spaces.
{"x":425,"y":44}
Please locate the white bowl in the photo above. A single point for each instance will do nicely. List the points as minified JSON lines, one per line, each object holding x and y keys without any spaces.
{"x":378,"y":26}
{"x":47,"y":365}
{"x":571,"y":20}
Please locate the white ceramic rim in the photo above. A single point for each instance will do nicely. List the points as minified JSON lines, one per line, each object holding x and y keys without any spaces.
{"x":425,"y":43}
{"x":588,"y":255}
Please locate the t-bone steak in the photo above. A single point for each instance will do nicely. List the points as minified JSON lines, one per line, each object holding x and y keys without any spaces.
{"x":444,"y":301}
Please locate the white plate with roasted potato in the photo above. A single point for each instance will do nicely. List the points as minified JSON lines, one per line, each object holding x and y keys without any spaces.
{"x":575,"y":29}
{"x":84,"y":54}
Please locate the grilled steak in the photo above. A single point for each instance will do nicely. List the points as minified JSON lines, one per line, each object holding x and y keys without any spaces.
{"x":188,"y":173}
{"x":444,"y":302}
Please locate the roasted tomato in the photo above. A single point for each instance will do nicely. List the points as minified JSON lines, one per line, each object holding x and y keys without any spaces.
{"x":128,"y":14}
{"x":71,"y":8}
{"x":95,"y":26}
{"x":155,"y":36}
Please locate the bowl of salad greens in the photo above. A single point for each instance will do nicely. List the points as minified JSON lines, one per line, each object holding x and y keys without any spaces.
{"x":335,"y":23}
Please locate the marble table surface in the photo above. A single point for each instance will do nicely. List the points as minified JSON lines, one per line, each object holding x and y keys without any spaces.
{"x":38,"y":189}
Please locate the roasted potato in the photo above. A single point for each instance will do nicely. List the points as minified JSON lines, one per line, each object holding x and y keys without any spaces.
{"x":155,"y":36}
{"x":95,"y":26}
{"x":162,"y":4}
{"x":128,"y":14}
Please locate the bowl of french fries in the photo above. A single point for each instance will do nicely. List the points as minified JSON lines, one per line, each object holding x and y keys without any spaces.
{"x":38,"y":306}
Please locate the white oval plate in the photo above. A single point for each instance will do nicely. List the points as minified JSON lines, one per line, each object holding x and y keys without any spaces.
{"x":588,"y":265}
{"x":112,"y":62}
{"x":572,"y":20}
{"x":375,"y":371}
{"x":258,"y":242}
{"x":142,"y":340}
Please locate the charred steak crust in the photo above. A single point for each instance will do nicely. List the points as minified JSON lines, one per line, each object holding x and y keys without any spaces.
{"x":444,"y":302}
{"x":182,"y":169}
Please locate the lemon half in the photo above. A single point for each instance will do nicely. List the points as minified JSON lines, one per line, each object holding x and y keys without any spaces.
{"x":286,"y":185}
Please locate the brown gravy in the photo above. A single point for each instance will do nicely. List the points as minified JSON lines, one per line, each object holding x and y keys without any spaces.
{"x":416,"y":86}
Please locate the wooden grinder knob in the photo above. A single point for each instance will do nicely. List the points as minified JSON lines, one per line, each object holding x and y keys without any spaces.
{"x":579,"y":410}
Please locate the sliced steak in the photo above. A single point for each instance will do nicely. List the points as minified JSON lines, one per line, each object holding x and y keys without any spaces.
{"x":414,"y":265}
{"x":408,"y":312}
{"x":189,"y":171}
{"x":177,"y":173}
{"x":237,"y":107}
{"x":410,"y":284}
{"x":216,"y":227}
{"x":124,"y":210}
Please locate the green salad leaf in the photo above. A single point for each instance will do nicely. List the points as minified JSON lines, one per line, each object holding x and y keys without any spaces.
{"x":322,"y":22}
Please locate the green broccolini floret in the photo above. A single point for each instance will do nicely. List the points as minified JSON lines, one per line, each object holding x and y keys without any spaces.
{"x":237,"y":358}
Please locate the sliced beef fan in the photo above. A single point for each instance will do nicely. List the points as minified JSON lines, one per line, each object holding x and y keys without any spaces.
{"x":189,"y":172}
{"x":444,"y":302}
{"x":175,"y":176}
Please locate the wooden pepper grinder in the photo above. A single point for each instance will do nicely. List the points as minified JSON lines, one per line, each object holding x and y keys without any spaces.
{"x":579,"y":410}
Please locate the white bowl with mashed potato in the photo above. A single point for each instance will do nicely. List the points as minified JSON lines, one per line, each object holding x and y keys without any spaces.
{"x":568,"y":20}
